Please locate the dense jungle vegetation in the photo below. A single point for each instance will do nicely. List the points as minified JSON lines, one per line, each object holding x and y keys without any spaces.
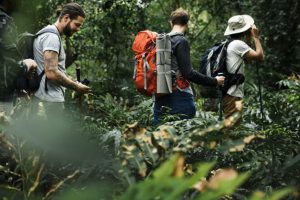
{"x":107,"y":147}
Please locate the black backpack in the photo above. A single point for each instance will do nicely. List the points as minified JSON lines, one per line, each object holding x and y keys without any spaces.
{"x":25,"y":49}
{"x":213,"y":63}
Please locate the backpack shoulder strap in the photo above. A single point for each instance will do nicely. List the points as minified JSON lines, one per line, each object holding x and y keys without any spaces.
{"x":47,"y":30}
{"x":228,"y":41}
{"x":237,"y":70}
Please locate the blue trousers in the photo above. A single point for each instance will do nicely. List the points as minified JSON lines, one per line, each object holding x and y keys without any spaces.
{"x":181,"y":103}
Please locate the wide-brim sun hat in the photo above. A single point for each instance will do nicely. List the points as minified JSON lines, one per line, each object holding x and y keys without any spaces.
{"x":239,"y":24}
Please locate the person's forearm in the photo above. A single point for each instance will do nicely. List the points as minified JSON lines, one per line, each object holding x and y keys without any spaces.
{"x":187,"y":71}
{"x":258,"y":48}
{"x":52,"y":72}
{"x":61,"y":79}
{"x":201,"y":79}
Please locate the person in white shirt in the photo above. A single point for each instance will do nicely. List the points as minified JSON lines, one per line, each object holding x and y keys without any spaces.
{"x":241,"y":30}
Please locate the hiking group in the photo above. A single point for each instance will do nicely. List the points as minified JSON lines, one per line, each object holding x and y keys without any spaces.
{"x":163,"y":67}
{"x":164,"y":70}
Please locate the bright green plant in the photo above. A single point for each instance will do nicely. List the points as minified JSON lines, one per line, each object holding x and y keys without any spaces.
{"x":165,"y":185}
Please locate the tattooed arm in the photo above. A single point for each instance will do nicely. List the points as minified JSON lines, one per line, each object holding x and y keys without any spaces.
{"x":53,"y":74}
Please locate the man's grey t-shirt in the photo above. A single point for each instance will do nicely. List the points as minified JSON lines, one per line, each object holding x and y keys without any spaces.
{"x":49,"y":42}
{"x":235,"y":53}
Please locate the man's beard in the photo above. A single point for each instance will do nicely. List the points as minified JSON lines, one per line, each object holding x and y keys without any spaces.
{"x":67,"y":30}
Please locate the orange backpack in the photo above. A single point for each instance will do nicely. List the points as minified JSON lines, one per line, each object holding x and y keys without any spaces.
{"x":145,"y":71}
{"x":145,"y":62}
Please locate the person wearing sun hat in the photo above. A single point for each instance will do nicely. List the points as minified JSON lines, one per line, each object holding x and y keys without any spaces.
{"x":241,"y":30}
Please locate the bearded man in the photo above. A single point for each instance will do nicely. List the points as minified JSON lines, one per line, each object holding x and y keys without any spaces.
{"x":50,"y":56}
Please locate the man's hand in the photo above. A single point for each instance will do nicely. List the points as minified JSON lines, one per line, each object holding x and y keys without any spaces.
{"x":254,"y":31}
{"x":31,"y":65}
{"x":258,"y":53}
{"x":220,"y":80}
{"x":83,"y":89}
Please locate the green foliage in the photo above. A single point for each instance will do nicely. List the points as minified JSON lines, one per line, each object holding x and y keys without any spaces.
{"x":119,"y":120}
{"x":108,"y":112}
{"x":164,"y":185}
{"x":280,"y":107}
{"x":276,"y":195}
